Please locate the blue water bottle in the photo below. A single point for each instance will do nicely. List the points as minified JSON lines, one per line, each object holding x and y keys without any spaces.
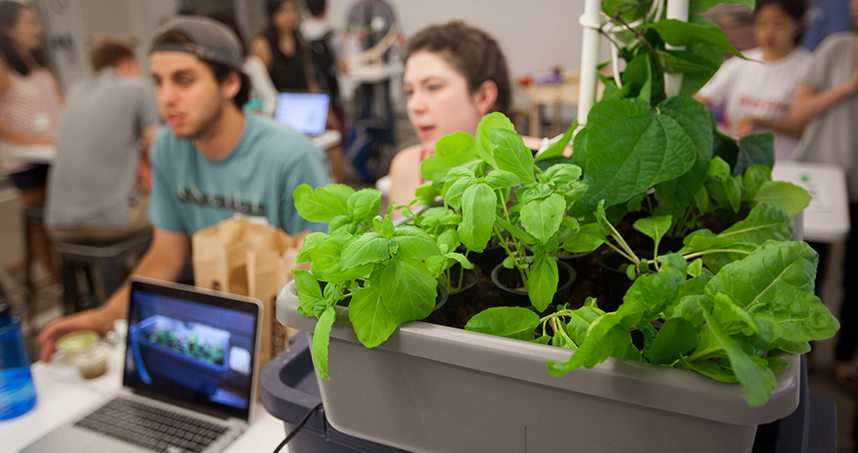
{"x":17,"y":393}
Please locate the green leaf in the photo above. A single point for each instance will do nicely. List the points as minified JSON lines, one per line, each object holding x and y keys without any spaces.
{"x":684,"y":62}
{"x":510,"y":322}
{"x":629,"y":150}
{"x":690,"y":307}
{"x":542,"y":282}
{"x":695,"y":268}
{"x":415,"y":243}
{"x":753,"y":178}
{"x":365,"y":249}
{"x":778,"y":278}
{"x":600,"y":345}
{"x":777,"y":364}
{"x":478,"y":215}
{"x":310,"y":242}
{"x":588,"y":238}
{"x":709,"y":369}
{"x":456,"y":186}
{"x":755,"y":150}
{"x":556,"y":149}
{"x":793,"y":199}
{"x":407,"y":289}
{"x":387,"y":228}
{"x":578,"y":324}
{"x":649,"y":295}
{"x":561,"y":175}
{"x":765,"y":221}
{"x":456,"y":149}
{"x":372,"y":323}
{"x":654,"y":227}
{"x":485,"y":147}
{"x":327,"y":260}
{"x":364,"y":204}
{"x":694,"y":118}
{"x":511,"y":154}
{"x":679,"y":33}
{"x":309,"y":293}
{"x":753,"y":373}
{"x":321,"y":338}
{"x":427,"y":193}
{"x":541,"y":218}
{"x":502,"y":179}
{"x":320,"y":205}
{"x":676,"y":338}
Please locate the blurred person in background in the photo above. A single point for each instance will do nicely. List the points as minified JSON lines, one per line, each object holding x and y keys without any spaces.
{"x":454,"y":75}
{"x":30,"y":104}
{"x":370,"y":21}
{"x":755,"y":94}
{"x":263,"y":95}
{"x":283,"y":50}
{"x":210,"y":162}
{"x":95,"y":191}
{"x":827,"y":99}
{"x":323,"y":39}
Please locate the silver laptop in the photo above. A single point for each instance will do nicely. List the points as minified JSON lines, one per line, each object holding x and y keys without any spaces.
{"x":188,"y":384}
{"x":305,"y":112}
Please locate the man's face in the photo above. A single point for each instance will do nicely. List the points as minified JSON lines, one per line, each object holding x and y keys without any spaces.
{"x":189,"y":97}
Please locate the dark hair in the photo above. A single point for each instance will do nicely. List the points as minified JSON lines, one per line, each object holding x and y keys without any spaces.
{"x":221,"y":72}
{"x":472,"y":52}
{"x":109,"y":51}
{"x":10,"y":13}
{"x":227,"y":18}
{"x":794,"y":8}
{"x":316,"y":7}
{"x":271,"y":32}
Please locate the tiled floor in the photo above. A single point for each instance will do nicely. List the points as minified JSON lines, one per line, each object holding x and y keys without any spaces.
{"x":48,"y":306}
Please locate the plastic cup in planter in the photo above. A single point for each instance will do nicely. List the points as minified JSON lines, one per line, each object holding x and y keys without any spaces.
{"x":509,"y":282}
{"x":615,"y":281}
{"x":91,"y":362}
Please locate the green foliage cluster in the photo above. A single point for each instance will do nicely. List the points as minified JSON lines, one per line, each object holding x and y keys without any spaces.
{"x":191,"y":345}
{"x":389,"y":274}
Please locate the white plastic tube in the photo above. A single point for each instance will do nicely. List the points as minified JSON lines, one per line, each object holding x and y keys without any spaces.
{"x":676,"y":9}
{"x":590,"y":48}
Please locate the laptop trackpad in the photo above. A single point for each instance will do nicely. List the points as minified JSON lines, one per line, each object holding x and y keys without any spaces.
{"x":75,"y":440}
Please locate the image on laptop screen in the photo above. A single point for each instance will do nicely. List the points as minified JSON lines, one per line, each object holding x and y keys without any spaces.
{"x":191,"y":347}
{"x":307,"y":113}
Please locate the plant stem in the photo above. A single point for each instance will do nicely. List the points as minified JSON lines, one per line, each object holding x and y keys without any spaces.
{"x":630,"y":255}
{"x":709,"y":252}
{"x":703,"y":353}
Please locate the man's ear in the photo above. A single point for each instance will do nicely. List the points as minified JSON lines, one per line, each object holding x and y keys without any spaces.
{"x":486,"y":96}
{"x":231,"y":86}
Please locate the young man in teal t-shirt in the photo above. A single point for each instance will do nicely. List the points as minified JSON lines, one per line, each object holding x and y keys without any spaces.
{"x":210,"y":163}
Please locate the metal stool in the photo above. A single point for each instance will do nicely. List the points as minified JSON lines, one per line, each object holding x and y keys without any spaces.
{"x":109,"y":260}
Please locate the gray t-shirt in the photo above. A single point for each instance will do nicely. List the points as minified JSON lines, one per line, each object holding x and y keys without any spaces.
{"x":832,"y":137}
{"x":93,"y":178}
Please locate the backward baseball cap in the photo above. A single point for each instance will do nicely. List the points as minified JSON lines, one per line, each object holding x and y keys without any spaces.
{"x":211,"y":40}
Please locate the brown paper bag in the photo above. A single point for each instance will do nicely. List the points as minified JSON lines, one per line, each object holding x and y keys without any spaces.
{"x":220,"y":256}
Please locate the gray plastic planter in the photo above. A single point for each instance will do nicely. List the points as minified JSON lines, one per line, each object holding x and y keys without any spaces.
{"x":431,"y":388}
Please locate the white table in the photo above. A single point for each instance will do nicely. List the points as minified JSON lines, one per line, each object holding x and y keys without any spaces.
{"x":63,"y":395}
{"x":35,"y":154}
{"x":827,"y":218}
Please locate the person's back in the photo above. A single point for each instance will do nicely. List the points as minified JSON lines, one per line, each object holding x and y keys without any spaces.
{"x":97,"y":152}
{"x":92,"y":184}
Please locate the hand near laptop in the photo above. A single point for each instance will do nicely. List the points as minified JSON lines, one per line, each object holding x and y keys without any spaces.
{"x":98,"y":319}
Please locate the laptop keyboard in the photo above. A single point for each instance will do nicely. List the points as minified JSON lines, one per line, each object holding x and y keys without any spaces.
{"x":151,"y":427}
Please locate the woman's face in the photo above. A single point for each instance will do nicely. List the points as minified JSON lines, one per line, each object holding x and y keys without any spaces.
{"x":775,"y":30}
{"x":438,"y":99}
{"x":286,"y":17}
{"x":27,"y":31}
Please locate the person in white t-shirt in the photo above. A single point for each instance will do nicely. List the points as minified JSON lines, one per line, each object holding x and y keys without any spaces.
{"x":755,"y":94}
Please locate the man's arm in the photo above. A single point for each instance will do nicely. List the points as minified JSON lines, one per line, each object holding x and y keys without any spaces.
{"x":164,"y":260}
{"x":808,"y":103}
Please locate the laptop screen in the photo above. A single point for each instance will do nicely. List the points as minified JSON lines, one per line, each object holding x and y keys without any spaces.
{"x":307,"y":113}
{"x":192,"y":347}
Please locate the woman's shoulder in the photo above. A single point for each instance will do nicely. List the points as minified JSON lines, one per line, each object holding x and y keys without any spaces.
{"x":837,"y":43}
{"x":407,"y":158}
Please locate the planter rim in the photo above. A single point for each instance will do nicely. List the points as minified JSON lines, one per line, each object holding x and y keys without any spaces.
{"x":669,"y":389}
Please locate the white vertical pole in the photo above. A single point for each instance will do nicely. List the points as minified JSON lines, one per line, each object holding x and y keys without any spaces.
{"x":676,"y":9}
{"x":590,"y":48}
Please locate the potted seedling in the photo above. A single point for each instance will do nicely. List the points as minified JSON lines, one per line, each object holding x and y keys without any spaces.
{"x":388,"y":274}
{"x":705,"y":314}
